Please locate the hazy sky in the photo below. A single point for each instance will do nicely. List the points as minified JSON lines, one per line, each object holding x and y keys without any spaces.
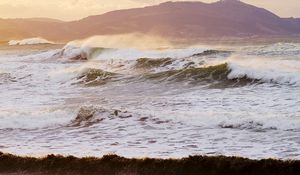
{"x":76,"y":9}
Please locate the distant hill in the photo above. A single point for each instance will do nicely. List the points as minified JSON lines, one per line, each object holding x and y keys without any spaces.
{"x":226,"y":18}
{"x":42,"y":20}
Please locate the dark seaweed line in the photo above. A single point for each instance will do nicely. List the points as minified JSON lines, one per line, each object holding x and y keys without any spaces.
{"x":115,"y":165}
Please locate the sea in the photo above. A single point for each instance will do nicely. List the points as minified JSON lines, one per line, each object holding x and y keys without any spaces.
{"x":172,"y":102}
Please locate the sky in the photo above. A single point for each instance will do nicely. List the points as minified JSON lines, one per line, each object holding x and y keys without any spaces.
{"x":76,"y":9}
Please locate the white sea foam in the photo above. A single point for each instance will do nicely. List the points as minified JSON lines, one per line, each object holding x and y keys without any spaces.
{"x":283,"y":71}
{"x":29,"y":41}
{"x":34,"y":118}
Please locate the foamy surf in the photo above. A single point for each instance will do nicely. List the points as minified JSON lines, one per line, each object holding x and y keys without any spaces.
{"x":151,"y":102}
{"x":281,"y":71}
{"x":29,"y":41}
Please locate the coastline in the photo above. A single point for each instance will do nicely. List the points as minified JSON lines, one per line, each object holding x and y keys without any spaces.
{"x":116,"y":165}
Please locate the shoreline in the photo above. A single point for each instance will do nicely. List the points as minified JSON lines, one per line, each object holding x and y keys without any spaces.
{"x":116,"y":165}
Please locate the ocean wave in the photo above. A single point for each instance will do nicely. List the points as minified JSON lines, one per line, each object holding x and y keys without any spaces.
{"x":74,"y":52}
{"x":28,"y":119}
{"x":147,"y":63}
{"x":95,"y":77}
{"x":221,"y":75}
{"x":6,"y":78}
{"x":212,"y":52}
{"x":90,"y":115}
{"x":192,"y":65}
{"x":259,"y":123}
{"x":29,"y":41}
{"x":193,"y":60}
{"x":189,"y":64}
{"x":214,"y":76}
{"x":247,"y":125}
{"x":274,"y":50}
{"x":266,"y":70}
{"x":70,"y":52}
{"x":242,"y":71}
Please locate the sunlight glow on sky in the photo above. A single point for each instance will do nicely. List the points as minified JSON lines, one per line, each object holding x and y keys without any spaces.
{"x":76,"y":9}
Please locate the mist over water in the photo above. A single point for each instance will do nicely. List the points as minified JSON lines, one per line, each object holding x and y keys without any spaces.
{"x":102,"y":96}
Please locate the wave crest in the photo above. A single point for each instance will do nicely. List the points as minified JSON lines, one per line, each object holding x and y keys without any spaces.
{"x":147,"y":63}
{"x":212,"y":75}
{"x":95,"y":77}
{"x":29,"y":41}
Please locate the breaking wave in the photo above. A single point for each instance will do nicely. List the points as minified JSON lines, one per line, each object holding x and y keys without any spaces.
{"x":220,"y":75}
{"x":29,"y":41}
{"x":189,"y":64}
{"x":268,"y":70}
{"x":95,"y":77}
{"x":211,"y":74}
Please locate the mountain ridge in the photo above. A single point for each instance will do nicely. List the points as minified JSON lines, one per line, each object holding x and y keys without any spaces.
{"x":188,"y":19}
